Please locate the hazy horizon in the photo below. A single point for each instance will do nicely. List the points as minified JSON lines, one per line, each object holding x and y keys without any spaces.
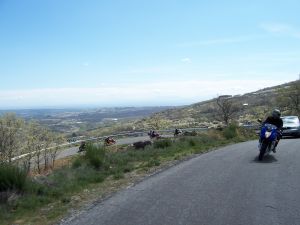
{"x":143,"y":53}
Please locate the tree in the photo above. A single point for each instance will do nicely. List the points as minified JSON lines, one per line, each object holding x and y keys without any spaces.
{"x":156,"y":122}
{"x":47,"y":140}
{"x":10,"y":136}
{"x":58,"y":140}
{"x":226,"y":109}
{"x":40,"y":145}
{"x":37,"y":142}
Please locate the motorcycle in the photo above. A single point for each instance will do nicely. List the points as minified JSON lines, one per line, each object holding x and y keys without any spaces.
{"x":268,"y":139}
{"x":109,"y":141}
{"x":177,"y":132}
{"x":154,"y":135}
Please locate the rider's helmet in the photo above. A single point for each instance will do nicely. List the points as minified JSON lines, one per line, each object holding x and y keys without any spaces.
{"x":276,"y":113}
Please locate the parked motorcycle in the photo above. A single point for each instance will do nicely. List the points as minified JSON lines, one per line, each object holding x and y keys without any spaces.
{"x":153,"y":134}
{"x":109,"y":141}
{"x":268,"y":138}
{"x":177,"y":132}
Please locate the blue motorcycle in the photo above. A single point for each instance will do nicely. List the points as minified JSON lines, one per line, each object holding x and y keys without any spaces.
{"x":268,"y":139}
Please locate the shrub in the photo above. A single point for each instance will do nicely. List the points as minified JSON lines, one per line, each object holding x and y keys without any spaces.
{"x":118,"y":175}
{"x":153,"y":162}
{"x":190,"y":133}
{"x":192,"y":142}
{"x":163,"y":143}
{"x":230,"y":131}
{"x":77,"y":163}
{"x":95,"y":156}
{"x":12,"y":178}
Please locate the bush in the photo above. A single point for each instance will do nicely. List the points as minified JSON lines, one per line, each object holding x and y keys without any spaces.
{"x":190,"y":133}
{"x":12,"y":178}
{"x":118,"y":175}
{"x":153,"y":162}
{"x":230,"y":131}
{"x":192,"y":142}
{"x":77,"y":163}
{"x":95,"y":156}
{"x":163,"y":143}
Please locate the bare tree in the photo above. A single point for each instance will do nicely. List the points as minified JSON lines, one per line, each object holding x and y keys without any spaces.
{"x":47,"y":140}
{"x":58,"y":140}
{"x":35,"y":143}
{"x":28,"y":151}
{"x":10,"y":136}
{"x":226,"y":109}
{"x":38,"y":147}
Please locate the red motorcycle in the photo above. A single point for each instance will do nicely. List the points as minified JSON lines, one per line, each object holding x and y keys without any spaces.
{"x":109,"y":141}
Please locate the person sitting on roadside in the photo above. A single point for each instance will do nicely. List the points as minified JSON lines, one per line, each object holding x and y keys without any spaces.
{"x":82,"y":146}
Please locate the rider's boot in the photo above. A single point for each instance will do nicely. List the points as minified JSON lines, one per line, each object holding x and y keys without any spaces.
{"x":275,"y":145}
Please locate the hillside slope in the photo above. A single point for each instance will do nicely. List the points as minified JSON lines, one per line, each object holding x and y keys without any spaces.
{"x":251,"y":106}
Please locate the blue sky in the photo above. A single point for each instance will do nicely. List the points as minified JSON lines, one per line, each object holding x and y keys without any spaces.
{"x":142,"y":52}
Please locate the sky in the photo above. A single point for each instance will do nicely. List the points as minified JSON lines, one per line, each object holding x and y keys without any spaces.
{"x":69,"y":53}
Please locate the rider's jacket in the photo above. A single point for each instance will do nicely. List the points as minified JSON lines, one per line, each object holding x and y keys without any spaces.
{"x":275,"y":121}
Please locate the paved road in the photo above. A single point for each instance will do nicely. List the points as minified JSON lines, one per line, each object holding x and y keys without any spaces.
{"x":223,"y":187}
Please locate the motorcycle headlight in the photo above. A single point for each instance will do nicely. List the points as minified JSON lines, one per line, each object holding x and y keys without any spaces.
{"x":268,"y":134}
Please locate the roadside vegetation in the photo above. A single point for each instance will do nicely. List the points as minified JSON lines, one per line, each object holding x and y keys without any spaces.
{"x":43,"y":199}
{"x":37,"y":143}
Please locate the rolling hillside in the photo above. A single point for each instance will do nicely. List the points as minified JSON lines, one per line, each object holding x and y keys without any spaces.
{"x":251,"y":106}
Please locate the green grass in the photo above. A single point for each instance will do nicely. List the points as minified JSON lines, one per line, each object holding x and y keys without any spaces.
{"x":12,"y":178}
{"x":98,"y":164}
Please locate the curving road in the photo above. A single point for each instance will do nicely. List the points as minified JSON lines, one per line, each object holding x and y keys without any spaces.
{"x":224,"y":187}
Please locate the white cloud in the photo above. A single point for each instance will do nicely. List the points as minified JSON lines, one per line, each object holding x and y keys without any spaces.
{"x":186,"y":60}
{"x":275,"y":27}
{"x":219,"y":41}
{"x":156,"y":93}
{"x":85,"y":64}
{"x":281,"y":28}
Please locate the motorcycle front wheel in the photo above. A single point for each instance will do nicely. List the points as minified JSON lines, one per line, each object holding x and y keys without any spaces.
{"x":263,"y":149}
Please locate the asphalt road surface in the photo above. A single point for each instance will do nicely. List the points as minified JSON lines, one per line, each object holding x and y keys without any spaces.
{"x":224,"y":187}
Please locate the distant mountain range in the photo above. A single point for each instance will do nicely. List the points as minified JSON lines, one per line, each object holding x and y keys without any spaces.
{"x":73,"y":120}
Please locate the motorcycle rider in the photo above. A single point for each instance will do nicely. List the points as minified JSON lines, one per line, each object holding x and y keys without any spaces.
{"x":177,"y":132}
{"x":82,"y":146}
{"x":277,"y":121}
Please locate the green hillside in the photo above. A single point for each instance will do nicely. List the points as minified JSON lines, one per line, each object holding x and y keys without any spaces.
{"x":249,"y":107}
